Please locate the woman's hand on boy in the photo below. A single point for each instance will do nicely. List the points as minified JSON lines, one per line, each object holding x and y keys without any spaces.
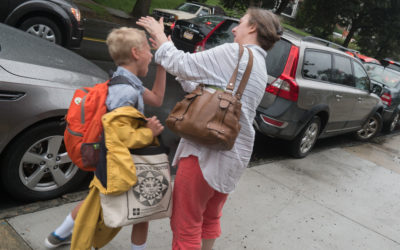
{"x":155,"y":125}
{"x":155,"y":29}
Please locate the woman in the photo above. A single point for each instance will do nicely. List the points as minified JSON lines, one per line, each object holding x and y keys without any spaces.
{"x":205,"y":177}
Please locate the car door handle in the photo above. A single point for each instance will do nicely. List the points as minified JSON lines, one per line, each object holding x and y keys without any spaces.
{"x":339,"y":96}
{"x":360,"y":99}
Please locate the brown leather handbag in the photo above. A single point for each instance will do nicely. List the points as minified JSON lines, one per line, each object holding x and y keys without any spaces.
{"x":211,"y":119}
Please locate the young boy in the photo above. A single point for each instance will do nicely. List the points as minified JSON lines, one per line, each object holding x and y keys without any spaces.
{"x":130,"y":50}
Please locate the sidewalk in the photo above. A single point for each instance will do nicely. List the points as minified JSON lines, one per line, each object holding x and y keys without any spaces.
{"x":342,"y":198}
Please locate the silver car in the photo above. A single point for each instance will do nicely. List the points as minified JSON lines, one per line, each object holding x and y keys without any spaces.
{"x":316,"y":91}
{"x":37,"y":81}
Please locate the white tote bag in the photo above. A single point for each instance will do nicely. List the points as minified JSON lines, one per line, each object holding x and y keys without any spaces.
{"x":149,"y":199}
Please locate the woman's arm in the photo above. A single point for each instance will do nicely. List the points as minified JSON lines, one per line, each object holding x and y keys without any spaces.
{"x":155,"y":96}
{"x":211,"y":67}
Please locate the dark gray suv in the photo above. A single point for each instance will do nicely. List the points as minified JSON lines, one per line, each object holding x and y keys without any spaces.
{"x":315,"y":91}
{"x":57,"y":21}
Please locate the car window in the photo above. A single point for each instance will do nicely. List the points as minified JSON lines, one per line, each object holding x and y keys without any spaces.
{"x":360,"y":77}
{"x":203,"y":12}
{"x":188,"y":8}
{"x":210,"y":21}
{"x":277,"y":57}
{"x":341,"y":72}
{"x":393,"y":66}
{"x":317,"y":65}
{"x":383,"y":75}
{"x":221,"y":35}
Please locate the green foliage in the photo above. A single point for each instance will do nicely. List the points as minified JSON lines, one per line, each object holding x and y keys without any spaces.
{"x":127,"y":5}
{"x":124,"y":5}
{"x":294,"y":29}
{"x":374,"y":24}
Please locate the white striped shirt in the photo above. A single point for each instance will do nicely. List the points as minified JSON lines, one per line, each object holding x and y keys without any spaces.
{"x":221,"y":169}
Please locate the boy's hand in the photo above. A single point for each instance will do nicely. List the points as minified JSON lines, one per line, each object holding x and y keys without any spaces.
{"x":155,"y":125}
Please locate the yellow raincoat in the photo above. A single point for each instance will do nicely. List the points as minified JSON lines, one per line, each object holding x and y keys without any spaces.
{"x":123,"y":130}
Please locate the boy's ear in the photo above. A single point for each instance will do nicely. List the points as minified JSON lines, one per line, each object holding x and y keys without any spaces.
{"x":135,"y":54}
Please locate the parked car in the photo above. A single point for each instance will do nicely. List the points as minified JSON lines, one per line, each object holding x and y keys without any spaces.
{"x":386,"y":83}
{"x":185,"y":11}
{"x":391,"y":64}
{"x":313,"y":90}
{"x":367,"y":59}
{"x":200,"y":33}
{"x":37,"y":81}
{"x":57,"y":21}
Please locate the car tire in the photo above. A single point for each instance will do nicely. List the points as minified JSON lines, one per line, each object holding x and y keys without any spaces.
{"x":389,"y":126}
{"x":44,"y":28}
{"x":36,"y":165}
{"x":305,"y":140}
{"x":370,"y":129}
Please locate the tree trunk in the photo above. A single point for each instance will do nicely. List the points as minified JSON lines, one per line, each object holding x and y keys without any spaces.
{"x":352,"y":30}
{"x":282,"y":6}
{"x":141,"y":8}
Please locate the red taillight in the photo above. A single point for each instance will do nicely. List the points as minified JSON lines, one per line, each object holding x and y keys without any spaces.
{"x":391,"y":62}
{"x":386,"y":99}
{"x":200,"y":46}
{"x":285,"y":85}
{"x":172,"y":25}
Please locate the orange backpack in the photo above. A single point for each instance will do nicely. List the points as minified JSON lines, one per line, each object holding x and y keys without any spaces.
{"x":84,"y":128}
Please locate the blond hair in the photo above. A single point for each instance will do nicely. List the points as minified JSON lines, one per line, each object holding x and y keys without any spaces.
{"x":120,"y":42}
{"x":269,"y":29}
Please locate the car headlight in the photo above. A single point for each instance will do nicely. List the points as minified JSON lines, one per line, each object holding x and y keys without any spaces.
{"x":76,"y":13}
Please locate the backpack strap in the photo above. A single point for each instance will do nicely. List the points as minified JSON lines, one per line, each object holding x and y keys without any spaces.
{"x":118,"y":80}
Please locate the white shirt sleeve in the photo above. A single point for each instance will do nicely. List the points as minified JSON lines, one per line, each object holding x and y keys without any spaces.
{"x":210,"y":67}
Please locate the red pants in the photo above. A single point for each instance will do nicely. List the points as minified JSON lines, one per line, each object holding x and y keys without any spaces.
{"x":197,"y":208}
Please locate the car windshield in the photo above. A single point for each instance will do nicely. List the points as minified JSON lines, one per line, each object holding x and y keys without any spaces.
{"x":383,"y":75}
{"x":210,"y":21}
{"x":187,"y":7}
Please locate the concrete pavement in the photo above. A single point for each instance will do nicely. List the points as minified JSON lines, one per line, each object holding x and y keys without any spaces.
{"x":340,"y":198}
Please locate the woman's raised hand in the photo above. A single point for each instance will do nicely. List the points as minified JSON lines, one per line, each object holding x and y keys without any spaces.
{"x":155,"y":29}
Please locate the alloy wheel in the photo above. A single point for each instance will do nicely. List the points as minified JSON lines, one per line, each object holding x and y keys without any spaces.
{"x":395,"y":121}
{"x":42,"y":31}
{"x":369,"y":129}
{"x":46,"y":165}
{"x":310,"y":136}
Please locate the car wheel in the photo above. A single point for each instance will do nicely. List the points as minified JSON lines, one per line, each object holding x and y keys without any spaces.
{"x":370,"y":128}
{"x":37,"y":167}
{"x":43,"y":28}
{"x":391,"y":125}
{"x":305,"y":141}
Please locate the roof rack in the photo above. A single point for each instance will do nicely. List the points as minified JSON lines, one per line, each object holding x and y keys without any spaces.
{"x":328,"y":44}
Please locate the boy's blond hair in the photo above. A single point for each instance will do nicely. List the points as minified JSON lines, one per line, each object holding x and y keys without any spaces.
{"x":120,"y":42}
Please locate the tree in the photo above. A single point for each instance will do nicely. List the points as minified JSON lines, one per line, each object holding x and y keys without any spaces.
{"x":141,"y":8}
{"x":375,"y":23}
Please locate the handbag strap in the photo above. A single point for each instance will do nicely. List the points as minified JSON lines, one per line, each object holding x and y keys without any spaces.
{"x":246,"y":75}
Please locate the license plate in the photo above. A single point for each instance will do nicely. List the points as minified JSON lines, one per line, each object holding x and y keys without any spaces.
{"x":188,"y":35}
